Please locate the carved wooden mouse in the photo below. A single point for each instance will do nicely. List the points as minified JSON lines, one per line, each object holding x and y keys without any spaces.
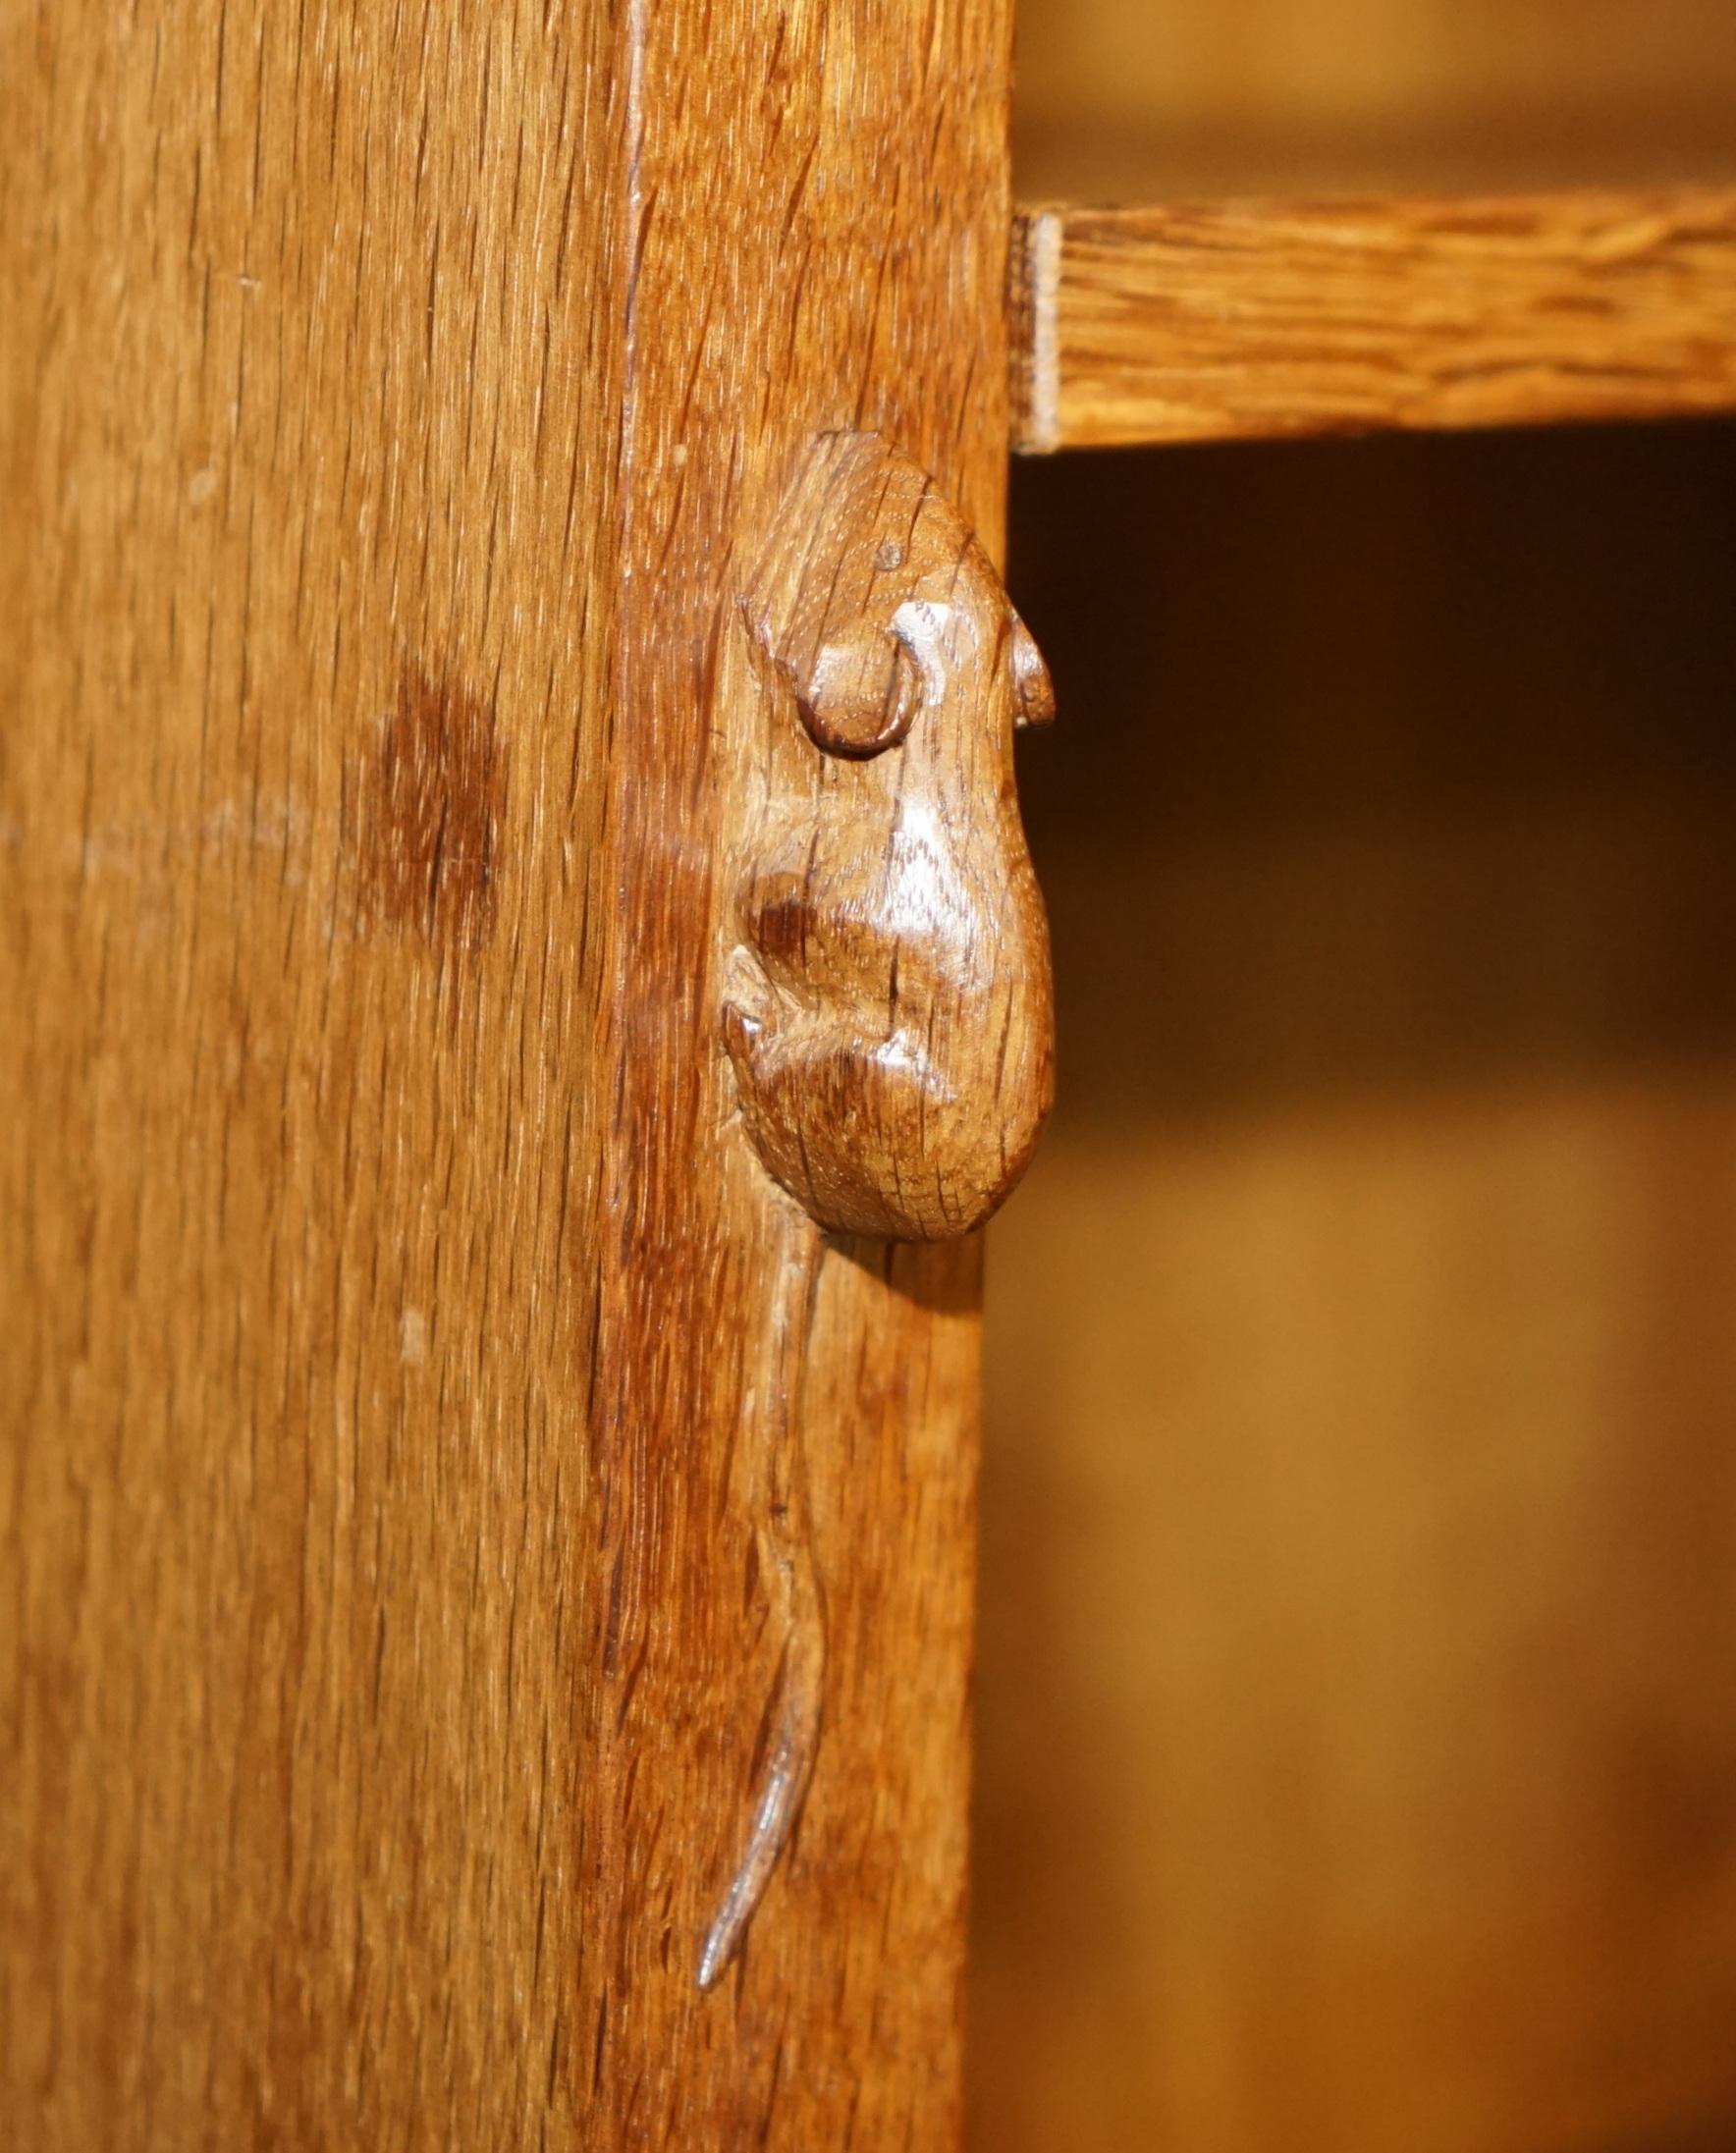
{"x":887,"y":997}
{"x":885,"y":981}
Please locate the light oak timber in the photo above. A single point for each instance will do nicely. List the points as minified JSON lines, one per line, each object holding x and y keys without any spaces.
{"x":389,"y":401}
{"x":1257,"y":320}
{"x":820,"y":207}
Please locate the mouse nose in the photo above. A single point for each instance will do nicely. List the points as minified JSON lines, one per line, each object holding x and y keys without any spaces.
{"x":1032,"y":686}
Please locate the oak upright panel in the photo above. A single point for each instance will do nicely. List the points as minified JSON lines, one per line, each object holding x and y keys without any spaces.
{"x":387,"y":399}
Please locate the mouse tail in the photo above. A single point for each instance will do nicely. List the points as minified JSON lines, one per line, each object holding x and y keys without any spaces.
{"x":784,"y":1525}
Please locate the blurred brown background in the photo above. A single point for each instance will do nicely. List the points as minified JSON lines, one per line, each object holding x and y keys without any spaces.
{"x":1148,"y":99}
{"x":1357,"y":1762}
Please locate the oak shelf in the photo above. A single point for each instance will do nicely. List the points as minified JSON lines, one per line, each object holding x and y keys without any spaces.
{"x":1261,"y":319}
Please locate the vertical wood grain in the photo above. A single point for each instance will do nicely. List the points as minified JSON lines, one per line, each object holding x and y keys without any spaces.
{"x":819,"y":222}
{"x":382,"y":1656}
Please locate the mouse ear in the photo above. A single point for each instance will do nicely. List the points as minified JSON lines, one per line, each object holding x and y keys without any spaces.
{"x":1033,"y":689}
{"x":861,"y":693}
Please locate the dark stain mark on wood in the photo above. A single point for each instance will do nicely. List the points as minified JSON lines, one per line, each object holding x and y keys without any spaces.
{"x":431,"y":806}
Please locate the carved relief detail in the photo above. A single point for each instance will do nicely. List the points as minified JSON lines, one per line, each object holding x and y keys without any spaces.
{"x":887,"y":1004}
{"x":885,"y":985}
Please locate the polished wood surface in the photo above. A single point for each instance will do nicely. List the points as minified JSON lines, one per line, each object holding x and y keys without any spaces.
{"x":889,"y":1005}
{"x":386,"y":1435}
{"x":1358,"y":1663}
{"x":1262,"y":320}
{"x":303,"y":694}
{"x":791,"y":276}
